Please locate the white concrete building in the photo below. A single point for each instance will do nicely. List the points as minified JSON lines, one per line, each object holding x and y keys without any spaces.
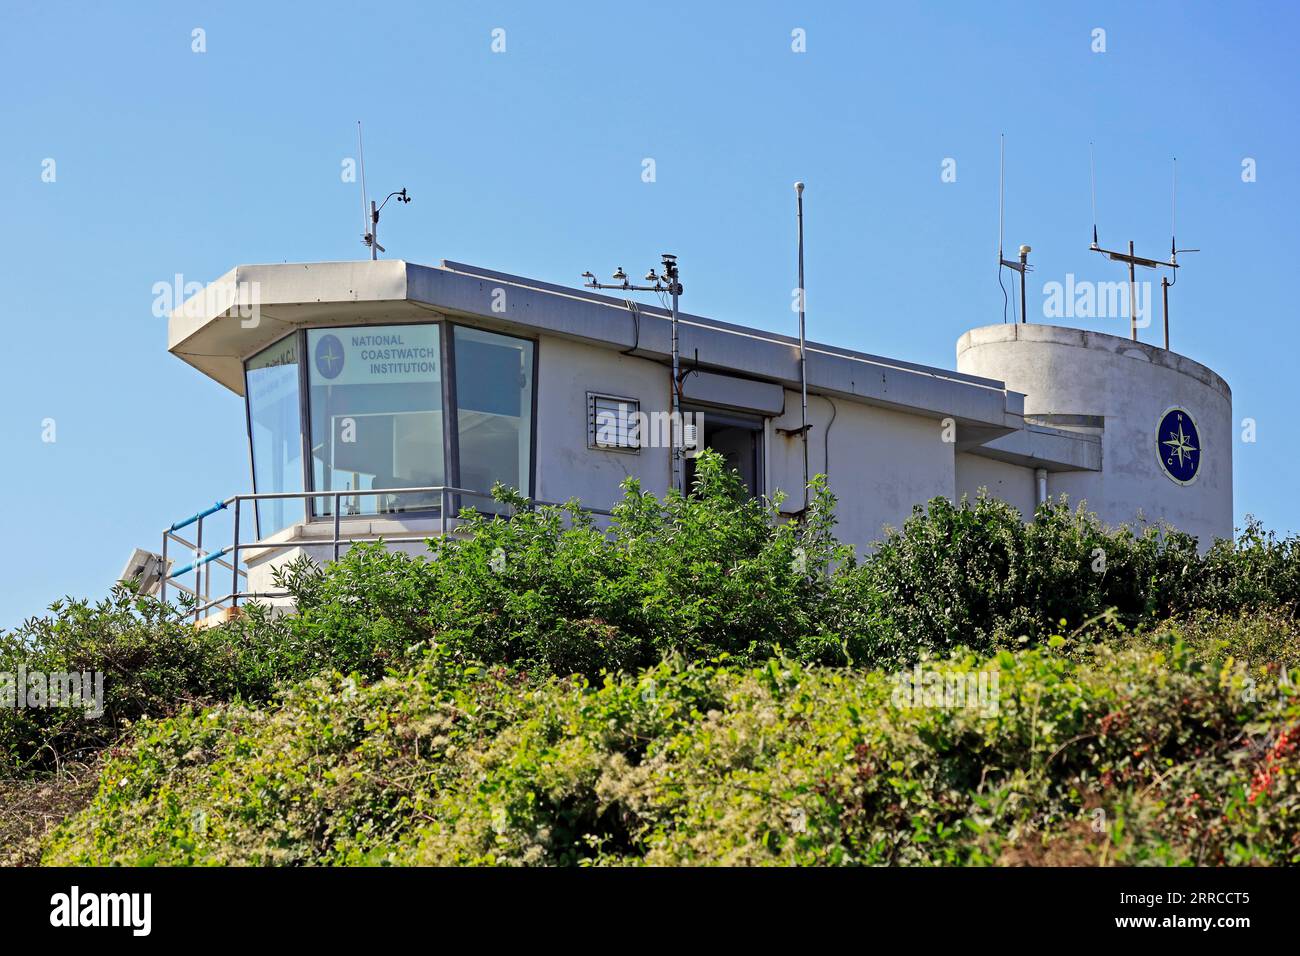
{"x":361,"y":376}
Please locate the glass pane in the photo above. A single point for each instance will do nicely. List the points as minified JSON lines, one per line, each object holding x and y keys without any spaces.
{"x":271,"y":380}
{"x":376,"y":416}
{"x":494,"y":412}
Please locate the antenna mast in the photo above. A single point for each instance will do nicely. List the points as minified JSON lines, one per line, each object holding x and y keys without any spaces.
{"x":1092,"y":179}
{"x":1022,"y":266}
{"x":367,"y":238}
{"x":1135,"y":260}
{"x":370,"y":219}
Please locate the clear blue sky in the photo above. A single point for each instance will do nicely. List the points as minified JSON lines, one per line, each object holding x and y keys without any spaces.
{"x":170,"y":161}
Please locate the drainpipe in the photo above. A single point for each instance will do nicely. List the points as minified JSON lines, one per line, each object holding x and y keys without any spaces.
{"x":1041,"y":475}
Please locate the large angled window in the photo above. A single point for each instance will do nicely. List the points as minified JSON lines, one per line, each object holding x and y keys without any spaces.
{"x":494,"y":411}
{"x":375,"y":406}
{"x":275,"y":429}
{"x":376,"y":421}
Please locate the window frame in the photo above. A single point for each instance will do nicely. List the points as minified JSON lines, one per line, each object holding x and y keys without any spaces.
{"x":248,"y":419}
{"x":450,"y":411}
{"x":590,"y":415}
{"x":452,"y":423}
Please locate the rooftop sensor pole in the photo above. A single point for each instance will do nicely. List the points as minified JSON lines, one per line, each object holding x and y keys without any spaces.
{"x":370,"y":221}
{"x":372,"y":238}
{"x":803,"y":351}
{"x":670,"y":283}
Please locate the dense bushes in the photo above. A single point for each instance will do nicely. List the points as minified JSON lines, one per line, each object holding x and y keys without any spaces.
{"x":699,"y":575}
{"x":1147,"y":755}
{"x":550,"y":592}
{"x":716,"y":572}
{"x":671,"y":688}
{"x":152,"y":659}
{"x":977,"y":575}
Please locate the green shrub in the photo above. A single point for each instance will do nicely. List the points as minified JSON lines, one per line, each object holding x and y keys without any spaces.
{"x":547,"y":589}
{"x":716,"y":572}
{"x":1146,"y":755}
{"x":975,"y":574}
{"x":1257,"y":570}
{"x":551,"y":591}
{"x":153,"y":661}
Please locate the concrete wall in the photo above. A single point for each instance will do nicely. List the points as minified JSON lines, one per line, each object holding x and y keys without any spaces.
{"x":566,"y":467}
{"x":1013,"y":484}
{"x":881,"y":463}
{"x":1074,"y":372}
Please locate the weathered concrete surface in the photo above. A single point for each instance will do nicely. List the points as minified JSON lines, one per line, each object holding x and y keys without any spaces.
{"x":1070,"y":372}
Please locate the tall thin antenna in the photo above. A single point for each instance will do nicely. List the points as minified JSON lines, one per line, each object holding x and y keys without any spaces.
{"x":803,"y":352}
{"x":1002,"y":186}
{"x":1173,"y":215}
{"x":1092,"y":176}
{"x":1002,"y":178}
{"x":1022,"y":266}
{"x":365,"y":212}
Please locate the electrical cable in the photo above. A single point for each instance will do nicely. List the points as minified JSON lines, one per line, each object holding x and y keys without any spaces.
{"x":636,"y":326}
{"x":826,"y":438}
{"x":1004,"y":292}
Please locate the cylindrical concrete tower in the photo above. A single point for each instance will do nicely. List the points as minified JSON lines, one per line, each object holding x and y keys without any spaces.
{"x":1164,"y":420}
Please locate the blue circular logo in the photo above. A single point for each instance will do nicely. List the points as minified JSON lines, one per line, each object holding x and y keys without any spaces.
{"x":329,"y":356}
{"x":1178,"y":446}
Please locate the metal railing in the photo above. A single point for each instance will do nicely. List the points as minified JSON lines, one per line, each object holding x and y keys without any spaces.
{"x":205,"y":563}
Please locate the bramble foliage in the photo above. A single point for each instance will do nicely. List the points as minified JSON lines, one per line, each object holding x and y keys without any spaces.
{"x":1257,"y":570}
{"x":1145,"y":755}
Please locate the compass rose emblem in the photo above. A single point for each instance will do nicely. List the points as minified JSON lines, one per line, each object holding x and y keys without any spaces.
{"x":329,"y":356}
{"x":1178,"y":446}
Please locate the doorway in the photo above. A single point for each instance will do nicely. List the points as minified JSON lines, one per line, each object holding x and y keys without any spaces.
{"x":738,"y":438}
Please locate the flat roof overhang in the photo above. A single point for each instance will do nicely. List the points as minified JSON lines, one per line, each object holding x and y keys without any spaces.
{"x":252,"y":306}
